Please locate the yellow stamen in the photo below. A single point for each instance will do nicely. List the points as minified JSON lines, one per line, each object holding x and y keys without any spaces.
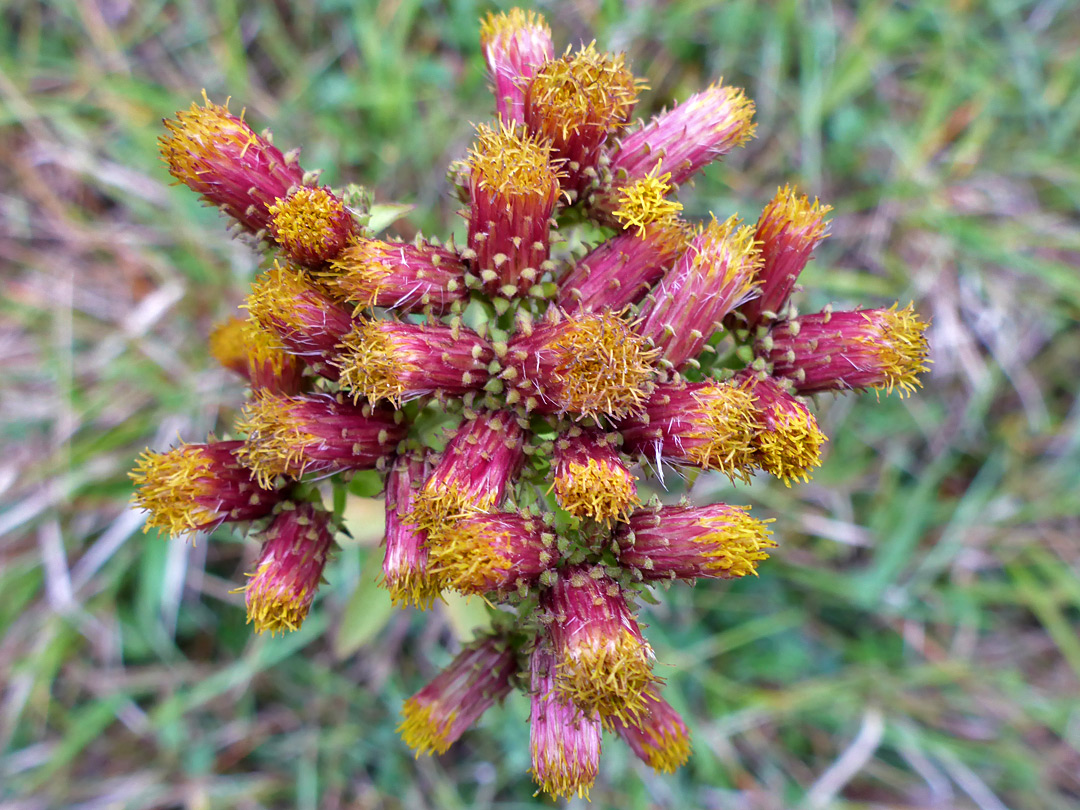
{"x":305,"y":221}
{"x":169,"y":485}
{"x":505,"y":24}
{"x":374,"y":362}
{"x":789,"y":446}
{"x":276,"y":438}
{"x":734,"y":543}
{"x":423,"y":730}
{"x":788,"y":210}
{"x":241,"y":345}
{"x":723,"y":431}
{"x":645,"y":202}
{"x":596,"y":490}
{"x":609,"y":675}
{"x":509,"y":162}
{"x":201,"y":134}
{"x":900,"y":347}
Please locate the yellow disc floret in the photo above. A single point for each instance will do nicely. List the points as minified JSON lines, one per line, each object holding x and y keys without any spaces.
{"x":645,"y":202}
{"x":723,"y":430}
{"x":171,"y":487}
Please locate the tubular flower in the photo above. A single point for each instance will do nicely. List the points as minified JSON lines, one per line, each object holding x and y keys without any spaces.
{"x":591,"y":480}
{"x":197,"y":487}
{"x":295,"y":550}
{"x":256,"y":355}
{"x":515,"y":44}
{"x":710,"y":425}
{"x":472,"y":475}
{"x":677,"y":542}
{"x":437,"y":715}
{"x":504,"y":392}
{"x":575,"y":102}
{"x":216,"y":154}
{"x":586,"y":363}
{"x":311,"y":224}
{"x":603,"y":663}
{"x":713,"y":276}
{"x":316,"y":433}
{"x":788,"y":441}
{"x":492,"y":552}
{"x":399,"y":361}
{"x":659,"y":737}
{"x":788,"y":231}
{"x":684,"y":139}
{"x":405,"y":278}
{"x":405,"y":564}
{"x":513,"y":186}
{"x":309,"y":322}
{"x":842,"y":351}
{"x":565,"y":741}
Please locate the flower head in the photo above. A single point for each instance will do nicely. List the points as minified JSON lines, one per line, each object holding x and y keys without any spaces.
{"x":588,"y":363}
{"x":658,"y":736}
{"x":316,"y":433}
{"x":406,"y":572}
{"x":678,"y":542}
{"x":710,"y":425}
{"x":842,"y":351}
{"x":788,"y":441}
{"x":492,"y":551}
{"x":603,"y":663}
{"x":217,"y":155}
{"x":515,"y":44}
{"x":565,"y":741}
{"x":513,"y":187}
{"x":403,"y":277}
{"x":437,"y":715}
{"x":256,"y":355}
{"x":197,"y":487}
{"x":575,"y":102}
{"x":590,"y":479}
{"x":312,"y":225}
{"x":713,"y":276}
{"x":399,"y":361}
{"x":295,"y":550}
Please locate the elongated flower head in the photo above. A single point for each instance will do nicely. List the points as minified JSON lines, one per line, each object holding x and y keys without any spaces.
{"x":406,"y":572}
{"x":312,"y":225}
{"x":256,"y":355}
{"x":684,"y":139}
{"x":843,"y":351}
{"x":713,"y":276}
{"x":310,"y":323}
{"x":603,"y":663}
{"x":513,"y":187}
{"x":565,"y":741}
{"x":658,"y":736}
{"x":709,"y":425}
{"x":493,"y":551}
{"x":515,"y":44}
{"x":316,"y":433}
{"x":678,"y":542}
{"x":403,"y":277}
{"x":217,"y":155}
{"x":788,"y":231}
{"x":436,"y":716}
{"x":295,"y":550}
{"x":591,"y":480}
{"x":399,"y":361}
{"x":473,"y":473}
{"x":788,"y":441}
{"x":575,"y":102}
{"x":588,"y":363}
{"x":197,"y":487}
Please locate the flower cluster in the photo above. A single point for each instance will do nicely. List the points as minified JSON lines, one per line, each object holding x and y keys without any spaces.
{"x":565,"y":375}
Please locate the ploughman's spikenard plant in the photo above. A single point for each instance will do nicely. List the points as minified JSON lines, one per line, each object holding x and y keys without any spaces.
{"x":584,"y":336}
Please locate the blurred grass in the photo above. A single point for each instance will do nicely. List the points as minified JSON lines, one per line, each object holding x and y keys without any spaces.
{"x":914,"y":641}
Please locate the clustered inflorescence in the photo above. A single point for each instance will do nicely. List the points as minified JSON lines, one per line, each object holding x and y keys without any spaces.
{"x":585,"y":335}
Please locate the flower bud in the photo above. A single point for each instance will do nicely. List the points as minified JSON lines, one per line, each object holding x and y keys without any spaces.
{"x":314,"y":433}
{"x":311,"y":224}
{"x":256,"y":355}
{"x":515,"y":44}
{"x":437,"y":715}
{"x":197,"y":487}
{"x":591,"y":480}
{"x":788,"y":440}
{"x":295,"y":551}
{"x":405,"y":563}
{"x":843,"y":351}
{"x":658,"y":737}
{"x":676,"y":542}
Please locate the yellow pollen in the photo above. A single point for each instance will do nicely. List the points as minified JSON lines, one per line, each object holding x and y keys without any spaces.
{"x":899,"y":344}
{"x":731,"y":250}
{"x":274,"y":609}
{"x":241,"y":345}
{"x":439,"y":506}
{"x":509,"y":162}
{"x":609,"y":675}
{"x":468,"y":554}
{"x":276,"y":297}
{"x":668,"y":750}
{"x":276,"y":438}
{"x":201,"y":134}
{"x":724,"y":430}
{"x":787,"y":210}
{"x":789,"y":445}
{"x":416,"y":588}
{"x":505,"y":24}
{"x":645,"y":202}
{"x":360,"y":269}
{"x":424,"y":731}
{"x":597,"y":490}
{"x":374,"y":361}
{"x":740,"y":110}
{"x":736,"y":543}
{"x":565,"y":773}
{"x":168,"y":486}
{"x":306,"y":219}
{"x":603,"y":366}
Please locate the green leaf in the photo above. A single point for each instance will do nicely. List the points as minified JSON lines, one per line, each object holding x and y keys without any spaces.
{"x":384,"y":215}
{"x":368,"y":611}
